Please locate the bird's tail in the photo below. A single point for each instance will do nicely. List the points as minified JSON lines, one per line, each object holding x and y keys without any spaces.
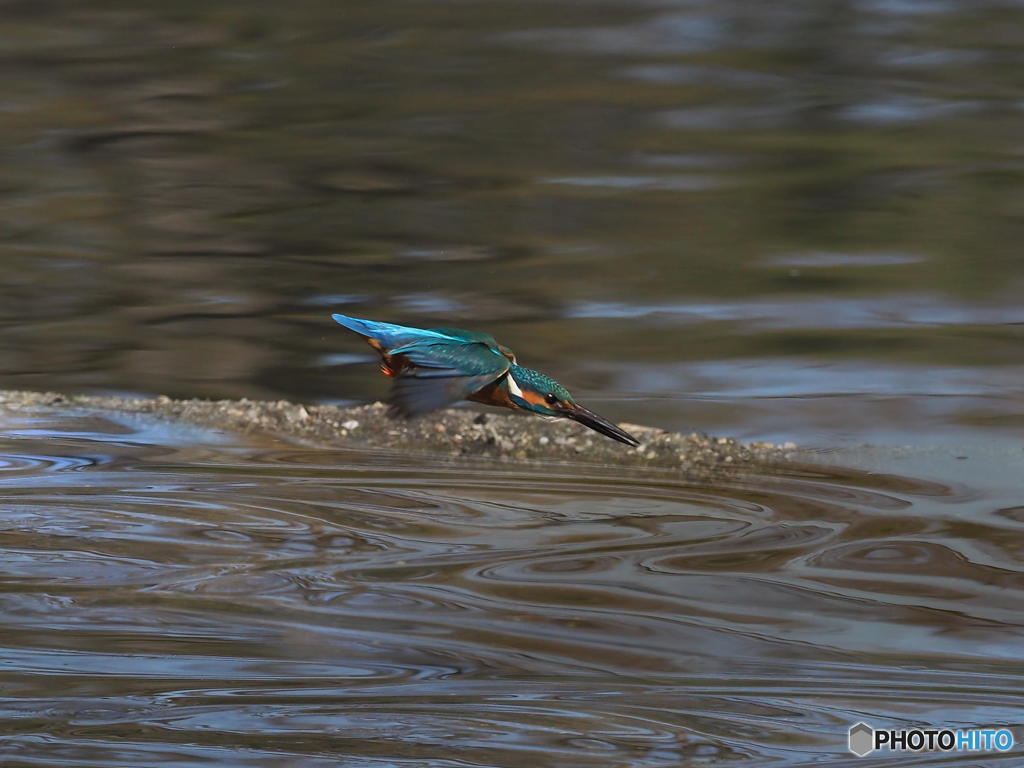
{"x":388,"y":335}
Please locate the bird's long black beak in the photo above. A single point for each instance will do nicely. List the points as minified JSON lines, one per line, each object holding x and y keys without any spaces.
{"x":598,"y":424}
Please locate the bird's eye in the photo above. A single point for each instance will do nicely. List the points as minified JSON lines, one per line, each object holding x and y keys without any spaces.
{"x":550,"y":399}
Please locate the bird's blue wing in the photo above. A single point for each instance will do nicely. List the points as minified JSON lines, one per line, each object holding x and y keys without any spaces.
{"x":440,"y":373}
{"x":440,"y":366}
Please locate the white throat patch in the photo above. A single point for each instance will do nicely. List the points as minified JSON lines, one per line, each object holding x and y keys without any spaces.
{"x":513,"y":387}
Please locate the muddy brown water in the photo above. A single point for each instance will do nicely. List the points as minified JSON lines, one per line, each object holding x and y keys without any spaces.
{"x":788,"y":221}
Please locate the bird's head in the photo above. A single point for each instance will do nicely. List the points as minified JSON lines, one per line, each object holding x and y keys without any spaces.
{"x":533,"y":391}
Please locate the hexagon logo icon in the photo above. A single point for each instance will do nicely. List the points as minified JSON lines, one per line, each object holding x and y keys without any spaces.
{"x":861,"y":739}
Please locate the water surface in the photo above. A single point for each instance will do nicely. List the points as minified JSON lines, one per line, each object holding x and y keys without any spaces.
{"x":695,"y":214}
{"x":177,"y":597}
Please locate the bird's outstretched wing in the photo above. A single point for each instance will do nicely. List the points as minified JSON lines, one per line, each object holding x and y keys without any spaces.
{"x":432,"y":367}
{"x":437,"y":373}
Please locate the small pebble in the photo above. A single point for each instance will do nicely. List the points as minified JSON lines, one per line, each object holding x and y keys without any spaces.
{"x":353,"y":424}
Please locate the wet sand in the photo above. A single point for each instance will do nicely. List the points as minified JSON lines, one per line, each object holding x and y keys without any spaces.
{"x":451,"y":432}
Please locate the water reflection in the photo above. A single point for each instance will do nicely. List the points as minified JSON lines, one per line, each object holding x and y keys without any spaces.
{"x":188,"y":596}
{"x":818,"y":185}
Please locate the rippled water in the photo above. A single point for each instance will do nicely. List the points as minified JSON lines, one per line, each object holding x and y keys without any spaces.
{"x":176,"y":597}
{"x":797,"y":220}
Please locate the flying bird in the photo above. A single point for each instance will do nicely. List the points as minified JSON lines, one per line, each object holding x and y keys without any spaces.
{"x":435,"y":367}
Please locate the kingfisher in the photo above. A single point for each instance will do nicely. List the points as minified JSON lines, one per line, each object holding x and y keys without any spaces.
{"x":438,"y":366}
